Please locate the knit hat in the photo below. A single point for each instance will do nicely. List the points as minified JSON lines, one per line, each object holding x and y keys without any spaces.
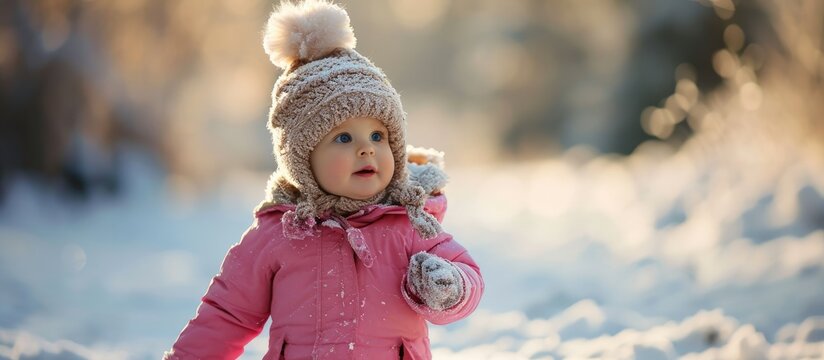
{"x":324,"y":83}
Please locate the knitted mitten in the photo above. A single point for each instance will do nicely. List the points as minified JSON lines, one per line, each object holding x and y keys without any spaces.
{"x":435,"y":281}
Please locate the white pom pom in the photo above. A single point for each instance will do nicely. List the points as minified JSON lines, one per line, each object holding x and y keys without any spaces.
{"x":306,"y":31}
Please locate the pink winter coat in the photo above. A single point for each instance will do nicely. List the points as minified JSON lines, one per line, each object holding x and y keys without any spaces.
{"x":323,"y":299}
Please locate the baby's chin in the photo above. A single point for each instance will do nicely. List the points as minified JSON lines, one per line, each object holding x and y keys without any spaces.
{"x":355,"y":194}
{"x":363,"y":191}
{"x":362,"y":194}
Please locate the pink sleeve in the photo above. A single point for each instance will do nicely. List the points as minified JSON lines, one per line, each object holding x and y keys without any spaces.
{"x":235,"y":306}
{"x":447,"y":248}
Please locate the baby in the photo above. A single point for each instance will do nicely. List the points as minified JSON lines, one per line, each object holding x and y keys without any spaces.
{"x":346,"y":254}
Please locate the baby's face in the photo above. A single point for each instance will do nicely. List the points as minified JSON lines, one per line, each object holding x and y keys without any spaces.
{"x":354,"y":159}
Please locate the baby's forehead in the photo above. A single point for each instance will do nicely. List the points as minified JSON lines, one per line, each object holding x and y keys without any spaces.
{"x":362,"y":123}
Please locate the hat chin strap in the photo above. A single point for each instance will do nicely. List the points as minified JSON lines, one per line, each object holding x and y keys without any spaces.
{"x":323,"y":203}
{"x":413,"y":197}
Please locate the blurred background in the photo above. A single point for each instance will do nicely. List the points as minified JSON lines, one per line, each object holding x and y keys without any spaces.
{"x":651,"y":173}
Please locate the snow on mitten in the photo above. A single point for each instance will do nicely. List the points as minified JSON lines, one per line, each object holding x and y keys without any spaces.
{"x":435,"y":281}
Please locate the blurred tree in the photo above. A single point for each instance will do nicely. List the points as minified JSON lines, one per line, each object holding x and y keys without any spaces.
{"x":46,"y":99}
{"x":483,"y":80}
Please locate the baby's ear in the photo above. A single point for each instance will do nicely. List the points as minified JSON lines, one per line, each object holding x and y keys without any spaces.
{"x":423,"y":156}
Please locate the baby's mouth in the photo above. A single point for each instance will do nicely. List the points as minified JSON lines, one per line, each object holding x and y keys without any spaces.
{"x":367,"y":171}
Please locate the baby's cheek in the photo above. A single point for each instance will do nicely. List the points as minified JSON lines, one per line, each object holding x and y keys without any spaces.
{"x":339,"y":167}
{"x":327,"y":168}
{"x":386,"y":161}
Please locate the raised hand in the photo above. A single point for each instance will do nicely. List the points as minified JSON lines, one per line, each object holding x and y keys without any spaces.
{"x":435,"y":281}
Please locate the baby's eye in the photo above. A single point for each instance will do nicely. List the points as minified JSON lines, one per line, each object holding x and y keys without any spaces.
{"x":377,"y":136}
{"x":343,"y":138}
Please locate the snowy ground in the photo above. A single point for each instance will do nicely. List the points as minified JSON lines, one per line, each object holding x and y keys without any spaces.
{"x":658,"y":255}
